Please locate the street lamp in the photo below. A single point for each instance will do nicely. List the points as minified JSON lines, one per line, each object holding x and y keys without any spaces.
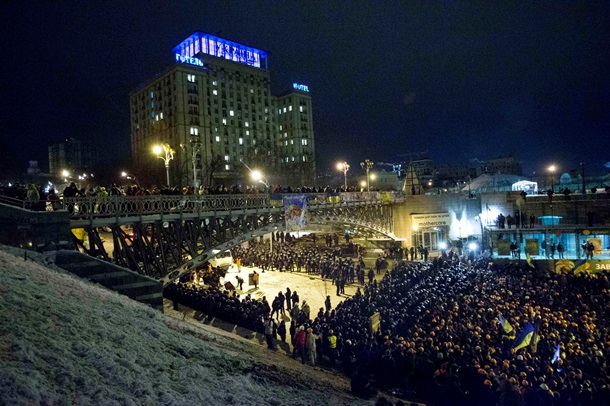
{"x":130,"y":177}
{"x":552,"y":169}
{"x":258,"y":176}
{"x":344,"y":167}
{"x":367,"y":165}
{"x":169,"y":155}
{"x":196,"y":147}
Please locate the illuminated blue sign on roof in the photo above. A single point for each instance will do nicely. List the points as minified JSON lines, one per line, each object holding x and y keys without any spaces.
{"x":200,"y":42}
{"x":302,"y":88}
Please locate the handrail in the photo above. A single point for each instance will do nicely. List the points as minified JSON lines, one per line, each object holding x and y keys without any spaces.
{"x":88,"y":207}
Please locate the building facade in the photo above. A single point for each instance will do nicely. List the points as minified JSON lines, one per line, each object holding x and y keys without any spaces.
{"x":213,"y":105}
{"x":72,"y":156}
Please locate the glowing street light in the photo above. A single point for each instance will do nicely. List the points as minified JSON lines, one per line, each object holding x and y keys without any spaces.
{"x":552,"y":169}
{"x":344,"y":167}
{"x":169,"y":155}
{"x":257,"y":176}
{"x":367,"y":165}
{"x":130,"y":177}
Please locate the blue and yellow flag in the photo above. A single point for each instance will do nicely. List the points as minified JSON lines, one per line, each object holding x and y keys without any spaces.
{"x":529,"y":259}
{"x":505,"y":324}
{"x":524,"y":338}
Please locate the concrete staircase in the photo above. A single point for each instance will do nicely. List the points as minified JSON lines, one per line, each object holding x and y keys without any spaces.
{"x":124,"y":281}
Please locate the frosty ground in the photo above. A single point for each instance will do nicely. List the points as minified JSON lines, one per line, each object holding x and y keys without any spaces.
{"x":67,"y":341}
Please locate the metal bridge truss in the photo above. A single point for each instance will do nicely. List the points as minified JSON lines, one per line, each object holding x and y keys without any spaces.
{"x":171,"y":235}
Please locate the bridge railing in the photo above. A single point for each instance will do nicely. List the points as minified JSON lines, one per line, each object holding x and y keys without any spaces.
{"x":87,"y":207}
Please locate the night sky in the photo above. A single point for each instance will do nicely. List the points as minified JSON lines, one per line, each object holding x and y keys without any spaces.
{"x":465,"y":81}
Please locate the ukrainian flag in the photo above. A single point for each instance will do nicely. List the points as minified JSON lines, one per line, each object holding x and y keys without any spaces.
{"x":505,"y":324}
{"x":524,"y":338}
{"x":529,"y":260}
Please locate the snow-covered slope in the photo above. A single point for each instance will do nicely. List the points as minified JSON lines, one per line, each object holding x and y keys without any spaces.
{"x":66,"y":341}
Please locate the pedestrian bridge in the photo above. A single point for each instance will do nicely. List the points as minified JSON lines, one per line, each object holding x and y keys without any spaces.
{"x":166,"y":236}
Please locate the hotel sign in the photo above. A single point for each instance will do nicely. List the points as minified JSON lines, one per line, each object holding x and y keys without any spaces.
{"x":189,"y":60}
{"x":303,"y":88}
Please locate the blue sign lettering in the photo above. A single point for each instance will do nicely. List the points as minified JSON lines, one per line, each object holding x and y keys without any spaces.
{"x":189,"y":60}
{"x":303,"y":88}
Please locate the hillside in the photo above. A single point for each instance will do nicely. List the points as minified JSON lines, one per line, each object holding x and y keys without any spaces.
{"x":65,"y":341}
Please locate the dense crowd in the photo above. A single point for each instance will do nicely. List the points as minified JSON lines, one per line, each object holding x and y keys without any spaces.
{"x":439,"y":338}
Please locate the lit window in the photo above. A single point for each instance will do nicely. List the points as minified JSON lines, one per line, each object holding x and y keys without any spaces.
{"x":303,"y":141}
{"x":190,"y":78}
{"x":266,"y":110}
{"x":285,"y":142}
{"x":253,"y":142}
{"x":152,"y":94}
{"x":157,"y":117}
{"x":231,"y":113}
{"x":285,"y":135}
{"x":161,"y":115}
{"x":304,"y":158}
{"x":251,"y":90}
{"x":215,"y":83}
{"x":241,"y":141}
{"x":194,"y":131}
{"x":217,"y":138}
{"x":279,"y":111}
{"x":301,"y":109}
{"x":247,"y":124}
{"x":247,"y":132}
{"x":292,"y":159}
{"x":255,"y":151}
{"x":226,"y":157}
{"x":224,"y":121}
{"x":290,"y":108}
{"x":284,"y":109}
{"x":215,"y":92}
{"x":286,"y":159}
{"x":280,"y":127}
{"x":227,"y":167}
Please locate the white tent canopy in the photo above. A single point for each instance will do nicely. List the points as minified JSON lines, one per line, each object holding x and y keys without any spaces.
{"x":493,"y":183}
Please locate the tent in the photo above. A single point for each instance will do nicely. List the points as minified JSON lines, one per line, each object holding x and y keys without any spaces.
{"x":492,"y":183}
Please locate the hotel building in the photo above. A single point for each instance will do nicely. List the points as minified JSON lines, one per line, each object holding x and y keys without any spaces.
{"x":213,"y":106}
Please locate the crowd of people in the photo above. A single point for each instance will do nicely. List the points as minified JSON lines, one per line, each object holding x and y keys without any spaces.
{"x":439,"y":337}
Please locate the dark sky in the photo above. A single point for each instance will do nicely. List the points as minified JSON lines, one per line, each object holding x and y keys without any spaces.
{"x":464,"y":81}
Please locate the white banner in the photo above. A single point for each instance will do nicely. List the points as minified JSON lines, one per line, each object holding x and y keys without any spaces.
{"x":430,"y":220}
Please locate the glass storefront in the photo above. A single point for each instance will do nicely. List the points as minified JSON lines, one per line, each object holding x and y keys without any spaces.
{"x":540,"y":244}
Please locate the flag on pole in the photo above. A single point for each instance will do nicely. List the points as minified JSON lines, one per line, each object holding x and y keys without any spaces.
{"x":524,"y":338}
{"x":505,"y":324}
{"x":534,"y":340}
{"x":557,"y":355}
{"x":529,"y":259}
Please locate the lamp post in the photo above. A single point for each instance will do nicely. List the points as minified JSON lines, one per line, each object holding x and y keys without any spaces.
{"x":344,"y":166}
{"x":129,"y":176}
{"x":168,"y":156}
{"x":258,"y":176}
{"x":195,"y":148}
{"x":367,"y":165}
{"x":552,"y":169}
{"x":584,"y":184}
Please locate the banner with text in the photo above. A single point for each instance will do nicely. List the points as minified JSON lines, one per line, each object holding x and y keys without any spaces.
{"x":430,"y":220}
